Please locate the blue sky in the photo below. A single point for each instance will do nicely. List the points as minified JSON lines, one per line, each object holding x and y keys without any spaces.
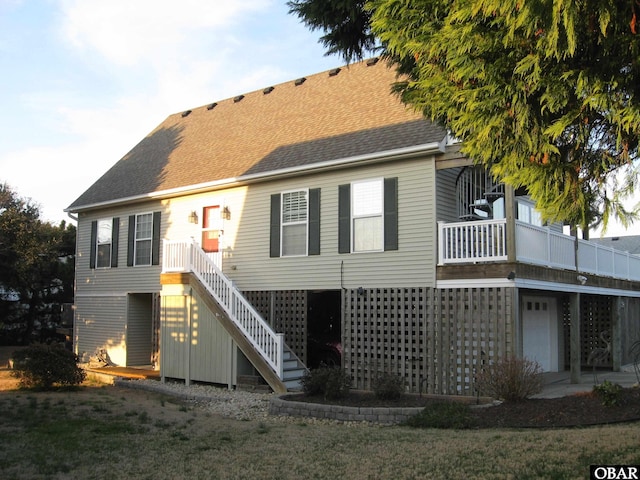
{"x":83,"y":81}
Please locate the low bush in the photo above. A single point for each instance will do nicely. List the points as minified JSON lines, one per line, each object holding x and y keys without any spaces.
{"x":442,"y":415}
{"x":388,"y":386}
{"x":331,"y":383}
{"x":43,"y":366}
{"x":609,"y":393}
{"x":511,"y":379}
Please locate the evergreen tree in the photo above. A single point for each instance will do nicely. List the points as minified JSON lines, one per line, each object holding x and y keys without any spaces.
{"x":36,"y":259}
{"x":545,"y":94}
{"x":346,"y":25}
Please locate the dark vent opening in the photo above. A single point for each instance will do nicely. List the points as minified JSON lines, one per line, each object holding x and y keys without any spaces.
{"x":186,"y":113}
{"x":300,"y":81}
{"x":372,"y":61}
{"x":268,"y":90}
{"x":334,"y":72}
{"x":238,"y":98}
{"x":211,"y":106}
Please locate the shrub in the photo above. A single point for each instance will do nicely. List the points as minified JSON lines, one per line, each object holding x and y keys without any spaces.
{"x":45,"y":365}
{"x":442,"y":415}
{"x":511,"y":379}
{"x":388,"y":386}
{"x":609,"y":393}
{"x":331,"y":383}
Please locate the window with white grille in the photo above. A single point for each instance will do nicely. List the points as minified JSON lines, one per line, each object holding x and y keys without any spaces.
{"x":367,"y":215}
{"x":104,"y":240}
{"x":143,"y":239}
{"x":295,"y":214}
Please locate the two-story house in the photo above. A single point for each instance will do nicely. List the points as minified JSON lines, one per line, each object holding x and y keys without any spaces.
{"x":321,"y":219}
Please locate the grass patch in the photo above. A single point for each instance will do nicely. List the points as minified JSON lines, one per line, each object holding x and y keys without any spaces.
{"x":442,"y":415}
{"x":98,"y":434}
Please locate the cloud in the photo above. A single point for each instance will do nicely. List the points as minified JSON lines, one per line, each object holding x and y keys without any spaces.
{"x":123,"y":66}
{"x":125,"y":32}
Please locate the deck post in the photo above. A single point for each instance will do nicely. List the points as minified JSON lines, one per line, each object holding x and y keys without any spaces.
{"x":574,"y":342}
{"x":618,"y":311}
{"x":510,"y":215}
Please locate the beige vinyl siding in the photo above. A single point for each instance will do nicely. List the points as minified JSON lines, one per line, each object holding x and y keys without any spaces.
{"x":139,"y":326}
{"x":246,"y":234}
{"x":140,"y":279}
{"x":100,"y":324}
{"x":193,"y":343}
{"x":174,"y":334}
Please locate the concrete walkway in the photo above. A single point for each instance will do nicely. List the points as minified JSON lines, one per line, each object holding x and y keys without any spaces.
{"x":559,"y":384}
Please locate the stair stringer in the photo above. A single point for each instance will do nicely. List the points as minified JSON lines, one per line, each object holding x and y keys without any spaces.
{"x":245,"y":346}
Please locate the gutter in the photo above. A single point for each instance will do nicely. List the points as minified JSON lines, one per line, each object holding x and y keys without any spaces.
{"x":366,"y":159}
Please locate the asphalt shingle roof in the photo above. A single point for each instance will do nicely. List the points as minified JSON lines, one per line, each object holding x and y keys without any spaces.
{"x":326,"y":117}
{"x":628,"y":243}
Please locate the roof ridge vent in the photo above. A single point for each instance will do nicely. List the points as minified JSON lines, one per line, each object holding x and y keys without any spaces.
{"x":333,"y":72}
{"x":186,"y":113}
{"x":300,"y":81}
{"x":268,"y":90}
{"x":238,"y":98}
{"x":372,"y":61}
{"x":211,"y":106}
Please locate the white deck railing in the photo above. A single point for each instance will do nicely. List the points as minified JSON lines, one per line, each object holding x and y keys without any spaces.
{"x":485,"y":241}
{"x":189,"y":257}
{"x":471,"y":242}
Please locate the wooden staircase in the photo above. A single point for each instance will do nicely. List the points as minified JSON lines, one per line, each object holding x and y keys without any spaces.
{"x":292,"y":370}
{"x":267,"y":351}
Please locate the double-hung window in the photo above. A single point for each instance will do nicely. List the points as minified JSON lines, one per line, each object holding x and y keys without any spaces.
{"x":104,"y":240}
{"x":295,"y":223}
{"x":528,"y":214}
{"x":104,"y":243}
{"x":367,"y":215}
{"x":295,"y":213}
{"x":144,"y":237}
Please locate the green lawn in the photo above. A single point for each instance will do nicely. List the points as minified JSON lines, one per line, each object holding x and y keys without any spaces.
{"x":113,"y":433}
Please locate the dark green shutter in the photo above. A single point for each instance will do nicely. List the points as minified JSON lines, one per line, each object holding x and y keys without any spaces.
{"x":131,"y":238}
{"x":314,"y":221}
{"x":94,"y":240}
{"x":344,"y":218}
{"x":115,"y":236}
{"x":391,"y":213}
{"x":274,"y":234}
{"x":155,"y":240}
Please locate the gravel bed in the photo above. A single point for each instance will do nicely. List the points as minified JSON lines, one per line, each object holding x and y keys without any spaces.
{"x":235,"y":404}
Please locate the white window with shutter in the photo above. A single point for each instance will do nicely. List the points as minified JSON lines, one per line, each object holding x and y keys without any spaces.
{"x":103,"y":246}
{"x":294,"y":222}
{"x":367,"y":207}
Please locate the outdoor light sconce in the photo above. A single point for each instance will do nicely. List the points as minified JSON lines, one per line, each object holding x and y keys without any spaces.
{"x":226,"y":213}
{"x":360,"y":291}
{"x":193,"y":217}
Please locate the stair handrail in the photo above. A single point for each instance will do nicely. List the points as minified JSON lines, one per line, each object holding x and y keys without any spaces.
{"x":264,"y":339}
